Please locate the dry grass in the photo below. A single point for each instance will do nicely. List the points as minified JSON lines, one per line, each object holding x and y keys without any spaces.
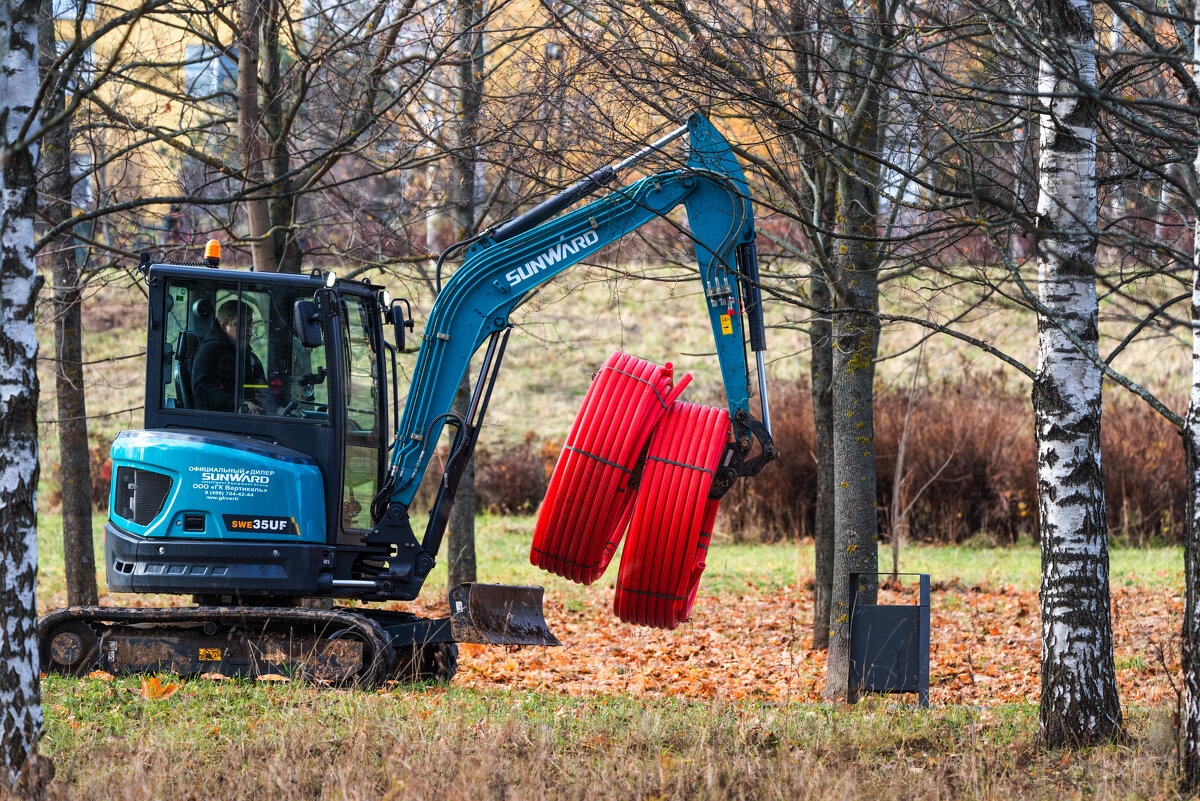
{"x":235,"y":741}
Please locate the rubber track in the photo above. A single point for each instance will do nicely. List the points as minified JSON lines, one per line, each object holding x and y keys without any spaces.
{"x":589,"y":500}
{"x":377,"y":662}
{"x":672,"y":518}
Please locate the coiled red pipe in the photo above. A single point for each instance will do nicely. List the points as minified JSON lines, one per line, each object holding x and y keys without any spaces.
{"x":672,"y":518}
{"x":589,"y":500}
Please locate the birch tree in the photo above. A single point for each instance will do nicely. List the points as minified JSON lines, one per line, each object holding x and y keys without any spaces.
{"x":1191,"y":550}
{"x":20,"y":710}
{"x":1079,"y":703}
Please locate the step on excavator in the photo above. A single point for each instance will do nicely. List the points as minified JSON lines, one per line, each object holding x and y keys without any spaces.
{"x":263,"y":474}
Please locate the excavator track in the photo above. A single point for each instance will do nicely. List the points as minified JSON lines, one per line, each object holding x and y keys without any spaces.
{"x":326,"y":646}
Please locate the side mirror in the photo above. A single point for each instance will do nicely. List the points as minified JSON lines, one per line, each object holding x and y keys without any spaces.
{"x":307,"y":322}
{"x":400,"y":319}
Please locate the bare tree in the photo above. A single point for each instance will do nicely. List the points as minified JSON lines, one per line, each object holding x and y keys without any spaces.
{"x":74,"y":458}
{"x":466,"y":164}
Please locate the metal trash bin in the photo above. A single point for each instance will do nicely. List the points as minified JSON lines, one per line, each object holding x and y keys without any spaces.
{"x":889,"y":645}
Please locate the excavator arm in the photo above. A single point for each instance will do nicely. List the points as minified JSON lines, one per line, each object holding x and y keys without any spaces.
{"x":505,"y":265}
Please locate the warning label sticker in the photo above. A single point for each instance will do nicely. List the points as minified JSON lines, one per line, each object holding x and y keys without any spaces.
{"x":262,"y":524}
{"x":726,"y":324}
{"x":210,"y":654}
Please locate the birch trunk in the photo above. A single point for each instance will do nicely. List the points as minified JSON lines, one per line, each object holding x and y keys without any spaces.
{"x":20,"y":710}
{"x":1190,"y":779}
{"x":1079,"y":703}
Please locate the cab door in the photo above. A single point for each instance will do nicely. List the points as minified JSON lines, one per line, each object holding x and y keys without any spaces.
{"x":365,"y":413}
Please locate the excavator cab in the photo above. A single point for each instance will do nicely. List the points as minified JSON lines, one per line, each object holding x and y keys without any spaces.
{"x":258,"y":432}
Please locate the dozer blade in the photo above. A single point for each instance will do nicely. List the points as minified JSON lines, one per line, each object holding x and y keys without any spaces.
{"x":497,"y":614}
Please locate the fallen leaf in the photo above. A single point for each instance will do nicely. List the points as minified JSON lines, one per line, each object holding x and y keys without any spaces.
{"x":214,"y":676}
{"x":100,"y":675}
{"x":272,"y":677}
{"x":154,"y":690}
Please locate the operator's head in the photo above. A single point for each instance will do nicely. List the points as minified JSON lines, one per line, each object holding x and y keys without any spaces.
{"x":234,"y":317}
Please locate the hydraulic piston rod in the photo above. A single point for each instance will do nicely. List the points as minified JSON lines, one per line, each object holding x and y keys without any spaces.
{"x":577,"y":191}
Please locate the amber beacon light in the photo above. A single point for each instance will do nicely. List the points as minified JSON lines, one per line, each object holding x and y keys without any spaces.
{"x":212,"y":252}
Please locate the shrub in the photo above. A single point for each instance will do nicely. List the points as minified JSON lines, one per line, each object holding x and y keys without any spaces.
{"x":971,"y":457}
{"x":514,"y":479}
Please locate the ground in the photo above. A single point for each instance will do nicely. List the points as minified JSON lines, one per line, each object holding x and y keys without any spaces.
{"x":726,"y":706}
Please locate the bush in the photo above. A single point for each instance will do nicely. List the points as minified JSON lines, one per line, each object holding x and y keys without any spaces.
{"x":514,"y":480}
{"x":980,"y":437}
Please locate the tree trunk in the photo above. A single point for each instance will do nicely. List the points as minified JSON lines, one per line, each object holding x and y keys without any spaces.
{"x":20,"y":709}
{"x":464,"y":161}
{"x":74,"y":462}
{"x":262,"y":248}
{"x":460,"y":544}
{"x":285,"y":248}
{"x":820,"y":334}
{"x":1190,"y":778}
{"x":855,"y":341}
{"x":1079,"y":704}
{"x":855,"y":331}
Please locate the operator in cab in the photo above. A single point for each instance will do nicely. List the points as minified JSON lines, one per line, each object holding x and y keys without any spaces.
{"x":214,"y":369}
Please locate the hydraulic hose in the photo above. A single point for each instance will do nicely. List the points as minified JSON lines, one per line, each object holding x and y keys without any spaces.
{"x":589,"y":500}
{"x":672,"y":518}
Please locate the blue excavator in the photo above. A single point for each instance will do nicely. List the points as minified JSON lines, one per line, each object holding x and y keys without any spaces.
{"x":265,"y":473}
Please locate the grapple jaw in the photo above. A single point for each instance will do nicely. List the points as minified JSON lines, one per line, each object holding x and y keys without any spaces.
{"x":499,"y":614}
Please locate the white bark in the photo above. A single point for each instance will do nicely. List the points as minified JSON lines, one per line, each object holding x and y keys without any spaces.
{"x":20,"y":712}
{"x":1191,"y":444}
{"x":1079,"y":701}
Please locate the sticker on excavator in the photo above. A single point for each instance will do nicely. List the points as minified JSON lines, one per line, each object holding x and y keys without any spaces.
{"x":210,"y":654}
{"x":263,"y":524}
{"x":726,"y":324}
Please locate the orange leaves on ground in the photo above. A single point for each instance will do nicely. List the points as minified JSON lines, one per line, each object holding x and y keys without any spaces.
{"x":154,"y":690}
{"x":985,"y":648}
{"x":100,"y":675}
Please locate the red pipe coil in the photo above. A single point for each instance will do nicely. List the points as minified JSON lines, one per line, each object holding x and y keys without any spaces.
{"x":672,"y":518}
{"x":589,"y":500}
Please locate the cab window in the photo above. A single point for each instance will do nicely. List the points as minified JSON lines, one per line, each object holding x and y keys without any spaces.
{"x":364,"y":443}
{"x":230,"y":348}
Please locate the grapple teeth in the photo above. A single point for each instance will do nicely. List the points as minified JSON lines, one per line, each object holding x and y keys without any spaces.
{"x":499,"y":614}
